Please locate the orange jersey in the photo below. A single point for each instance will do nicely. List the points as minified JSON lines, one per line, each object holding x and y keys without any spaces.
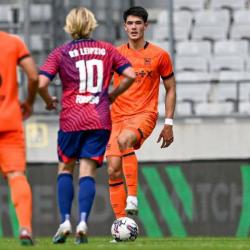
{"x":12,"y":51}
{"x":150,"y":63}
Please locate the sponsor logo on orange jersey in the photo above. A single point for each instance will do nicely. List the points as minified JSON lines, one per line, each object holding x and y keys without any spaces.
{"x":147,"y":61}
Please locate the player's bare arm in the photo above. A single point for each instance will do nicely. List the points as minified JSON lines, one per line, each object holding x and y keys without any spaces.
{"x":51,"y":101}
{"x":166,"y":136}
{"x":29,"y":67}
{"x":126,"y":82}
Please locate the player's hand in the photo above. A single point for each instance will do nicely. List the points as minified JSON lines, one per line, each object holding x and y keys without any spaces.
{"x":26,"y":109}
{"x":52,"y":103}
{"x":166,"y":136}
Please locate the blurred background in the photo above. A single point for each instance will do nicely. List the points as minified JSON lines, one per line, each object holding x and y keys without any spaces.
{"x":200,"y":185}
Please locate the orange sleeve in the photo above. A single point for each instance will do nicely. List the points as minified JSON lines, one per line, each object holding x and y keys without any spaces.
{"x":22,"y":50}
{"x":165,"y":66}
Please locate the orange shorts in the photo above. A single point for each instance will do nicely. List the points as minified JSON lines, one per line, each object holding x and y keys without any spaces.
{"x":12,"y":151}
{"x":142,"y":125}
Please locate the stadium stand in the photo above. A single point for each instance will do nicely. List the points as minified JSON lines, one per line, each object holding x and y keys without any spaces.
{"x":212,"y":60}
{"x":240,"y":25}
{"x":231,"y":4}
{"x":244,"y":92}
{"x":211,"y":24}
{"x":5,"y":14}
{"x":214,"y":109}
{"x":189,"y":4}
{"x":182,"y":25}
{"x":244,"y":108}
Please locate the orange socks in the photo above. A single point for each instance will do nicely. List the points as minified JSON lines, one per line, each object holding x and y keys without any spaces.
{"x":130,"y":170}
{"x":117,"y":197}
{"x":22,"y":199}
{"x":117,"y":188}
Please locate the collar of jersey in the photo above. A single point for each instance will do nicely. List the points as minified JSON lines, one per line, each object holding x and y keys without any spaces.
{"x":81,"y":40}
{"x":145,"y":46}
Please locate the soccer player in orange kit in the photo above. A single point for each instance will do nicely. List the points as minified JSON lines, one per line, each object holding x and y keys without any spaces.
{"x":134,"y":113}
{"x":12,"y":141}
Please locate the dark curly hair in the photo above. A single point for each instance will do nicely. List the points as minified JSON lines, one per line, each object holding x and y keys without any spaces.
{"x":136,"y":11}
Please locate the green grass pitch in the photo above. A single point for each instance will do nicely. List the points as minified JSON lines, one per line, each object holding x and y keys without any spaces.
{"x":142,"y":243}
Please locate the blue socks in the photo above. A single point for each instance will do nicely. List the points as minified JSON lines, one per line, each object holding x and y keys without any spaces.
{"x":86,"y":196}
{"x":65,"y":194}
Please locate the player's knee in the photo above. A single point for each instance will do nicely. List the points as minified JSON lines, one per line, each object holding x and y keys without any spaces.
{"x":114,"y":173}
{"x":122,"y":142}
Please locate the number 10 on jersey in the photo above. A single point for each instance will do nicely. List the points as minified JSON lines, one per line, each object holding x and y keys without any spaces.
{"x":88,"y":74}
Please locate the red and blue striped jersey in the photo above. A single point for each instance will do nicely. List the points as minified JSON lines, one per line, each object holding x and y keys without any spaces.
{"x":85,"y":69}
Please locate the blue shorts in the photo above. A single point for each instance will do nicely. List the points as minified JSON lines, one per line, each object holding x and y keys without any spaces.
{"x":90,"y":144}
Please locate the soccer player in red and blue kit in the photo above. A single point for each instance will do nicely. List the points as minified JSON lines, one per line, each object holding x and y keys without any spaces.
{"x":84,"y":66}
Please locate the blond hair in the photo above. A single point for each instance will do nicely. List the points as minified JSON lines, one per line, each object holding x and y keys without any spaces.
{"x":80,"y":22}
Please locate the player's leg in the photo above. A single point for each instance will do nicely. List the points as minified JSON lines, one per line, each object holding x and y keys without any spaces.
{"x":116,"y":183}
{"x":135,"y":132}
{"x":86,"y":195}
{"x":91,"y":153}
{"x":126,"y":140}
{"x":65,"y":195}
{"x":65,"y":188}
{"x":117,"y":190}
{"x":13,"y":164}
{"x":22,"y":199}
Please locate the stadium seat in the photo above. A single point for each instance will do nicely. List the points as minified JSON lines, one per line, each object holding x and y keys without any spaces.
{"x":196,"y":77}
{"x":248,"y":64}
{"x":213,"y":25}
{"x":153,"y":14}
{"x":214,"y":109}
{"x":5,"y":14}
{"x":235,"y":76}
{"x":241,"y":22}
{"x":194,"y":48}
{"x":232,"y":4}
{"x":244,"y":108}
{"x":40,"y":12}
{"x":183,"y":109}
{"x":103,"y":33}
{"x":189,"y":4}
{"x":231,"y":47}
{"x":244,"y":94}
{"x":162,"y":17}
{"x":193,"y":92}
{"x":218,"y":63}
{"x":36,"y":42}
{"x":229,"y":55}
{"x":182,"y":25}
{"x":193,"y":55}
{"x":191,"y":63}
{"x":223,"y":92}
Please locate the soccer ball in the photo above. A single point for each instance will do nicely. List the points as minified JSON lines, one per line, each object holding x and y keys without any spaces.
{"x":124,"y":229}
